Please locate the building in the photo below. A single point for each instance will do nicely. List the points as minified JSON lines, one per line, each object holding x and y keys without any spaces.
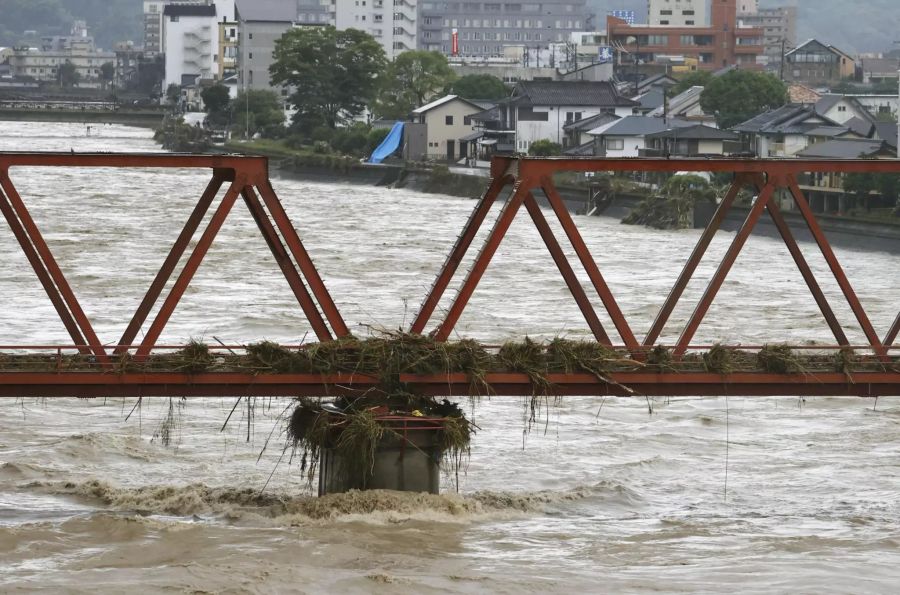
{"x":678,"y":13}
{"x":447,"y":120}
{"x":685,"y":106}
{"x":154,"y":32}
{"x":721,"y":44}
{"x":790,"y":129}
{"x":692,"y":141}
{"x":190,"y":42}
{"x":628,"y":137}
{"x":879,"y":70}
{"x":540,"y":110}
{"x":779,"y":26}
{"x":261,"y":24}
{"x":42,"y":64}
{"x":496,"y":29}
{"x":228,"y":48}
{"x":392,"y":22}
{"x":816,"y":63}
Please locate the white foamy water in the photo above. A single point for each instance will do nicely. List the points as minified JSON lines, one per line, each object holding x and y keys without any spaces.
{"x":604,"y":498}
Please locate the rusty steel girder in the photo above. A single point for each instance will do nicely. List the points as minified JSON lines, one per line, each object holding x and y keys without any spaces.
{"x":519,"y":178}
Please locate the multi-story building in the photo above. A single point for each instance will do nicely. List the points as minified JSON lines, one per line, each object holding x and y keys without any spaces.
{"x":677,"y":13}
{"x":262,"y":23}
{"x":392,"y":22}
{"x":723,"y":43}
{"x":229,"y":32}
{"x":779,"y":27}
{"x":191,"y":42}
{"x":42,"y":64}
{"x":487,"y":29}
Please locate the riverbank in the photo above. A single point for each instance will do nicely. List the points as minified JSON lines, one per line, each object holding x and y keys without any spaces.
{"x":294,"y":164}
{"x":139,"y":118}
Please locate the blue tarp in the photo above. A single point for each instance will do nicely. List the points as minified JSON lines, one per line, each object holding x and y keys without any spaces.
{"x":389,"y":145}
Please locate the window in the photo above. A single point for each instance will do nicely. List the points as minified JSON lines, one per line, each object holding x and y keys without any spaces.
{"x":448,"y":120}
{"x":249,"y":35}
{"x":527,"y":114}
{"x":250,"y":55}
{"x":615,"y":144}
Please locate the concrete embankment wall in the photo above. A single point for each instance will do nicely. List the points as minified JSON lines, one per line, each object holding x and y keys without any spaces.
{"x":143,"y":119}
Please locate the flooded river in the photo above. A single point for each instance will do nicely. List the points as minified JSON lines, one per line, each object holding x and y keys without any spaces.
{"x":703,"y":495}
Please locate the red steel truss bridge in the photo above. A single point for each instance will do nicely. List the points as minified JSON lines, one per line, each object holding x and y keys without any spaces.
{"x":514,"y":182}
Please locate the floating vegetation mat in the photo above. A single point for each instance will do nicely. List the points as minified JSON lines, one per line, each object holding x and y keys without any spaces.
{"x":387,"y":356}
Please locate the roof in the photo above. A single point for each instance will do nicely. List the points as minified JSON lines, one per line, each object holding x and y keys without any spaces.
{"x":828,"y":131}
{"x":586,"y":124}
{"x":696,"y":132}
{"x":791,"y":118}
{"x":273,"y":11}
{"x":489,"y":115}
{"x":652,"y":99}
{"x":802,"y":94}
{"x":473,"y":136}
{"x":444,"y":100}
{"x":878,"y":66}
{"x":642,"y":126}
{"x":583,"y":150}
{"x":887,"y":131}
{"x":681,"y":102}
{"x":657,"y":80}
{"x":860,"y":126}
{"x":844,"y":149}
{"x":816,"y":42}
{"x":574,"y":93}
{"x":190,"y":10}
{"x":832,"y":99}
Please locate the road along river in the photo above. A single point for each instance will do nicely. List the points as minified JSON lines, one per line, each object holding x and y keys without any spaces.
{"x":703,"y":495}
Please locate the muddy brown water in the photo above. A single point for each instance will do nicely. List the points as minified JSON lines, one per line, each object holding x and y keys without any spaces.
{"x":704,"y":495}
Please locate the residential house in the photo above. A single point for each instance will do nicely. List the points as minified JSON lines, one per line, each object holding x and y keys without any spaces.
{"x":825,"y":190}
{"x":539,"y":110}
{"x":685,"y":106}
{"x":799,"y":93}
{"x":447,"y":121}
{"x":843,"y":109}
{"x":628,"y":136}
{"x":816,"y":63}
{"x":692,"y":141}
{"x":880,"y":106}
{"x":785,"y":131}
{"x":578,"y":131}
{"x":879,"y":70}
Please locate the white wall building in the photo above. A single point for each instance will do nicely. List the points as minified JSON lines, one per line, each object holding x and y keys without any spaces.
{"x":447,"y":120}
{"x":391,"y":22}
{"x":678,"y":13}
{"x":191,"y":42}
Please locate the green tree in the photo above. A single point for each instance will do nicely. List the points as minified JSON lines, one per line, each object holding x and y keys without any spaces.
{"x":334,"y":73}
{"x":218,"y":104}
{"x":68,"y":75}
{"x":259,"y":111}
{"x":544,"y":148}
{"x":479,"y":86}
{"x":739,"y":95}
{"x":173,"y":94}
{"x":411,"y":80}
{"x":698,"y":78}
{"x":107,"y":73}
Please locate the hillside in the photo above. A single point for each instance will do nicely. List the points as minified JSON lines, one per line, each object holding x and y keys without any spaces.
{"x":860,"y":26}
{"x":109,"y":20}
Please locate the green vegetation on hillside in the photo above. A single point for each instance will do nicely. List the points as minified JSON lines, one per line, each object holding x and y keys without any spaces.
{"x":109,"y":21}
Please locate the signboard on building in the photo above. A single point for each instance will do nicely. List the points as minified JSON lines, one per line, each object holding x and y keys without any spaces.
{"x":454,"y":42}
{"x":604,"y":54}
{"x":626,"y":15}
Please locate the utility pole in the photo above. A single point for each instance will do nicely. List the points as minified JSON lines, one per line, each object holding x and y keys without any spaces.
{"x":783,"y":41}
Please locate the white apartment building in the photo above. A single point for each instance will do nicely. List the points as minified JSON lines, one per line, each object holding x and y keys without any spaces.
{"x":191,"y":42}
{"x":391,"y":22}
{"x":678,"y":13}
